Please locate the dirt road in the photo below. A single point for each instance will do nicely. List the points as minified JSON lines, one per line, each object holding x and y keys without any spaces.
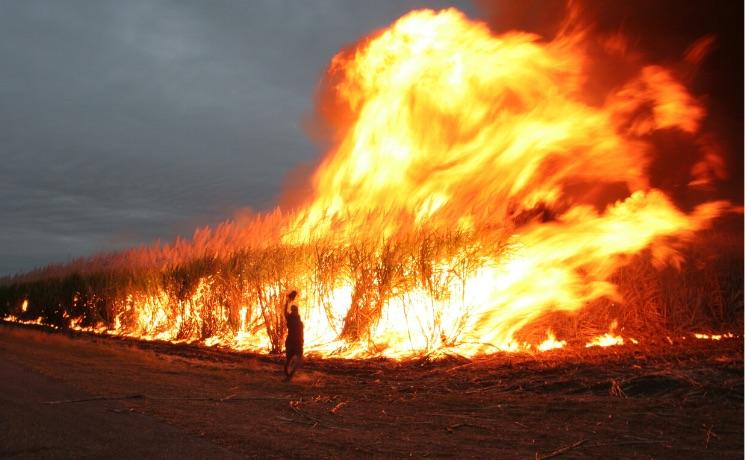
{"x":64,"y":395}
{"x":33,"y":426}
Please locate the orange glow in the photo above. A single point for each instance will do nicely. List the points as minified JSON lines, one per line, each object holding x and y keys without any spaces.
{"x":608,"y":339}
{"x":454,"y":128}
{"x":551,"y":343}
{"x":35,"y":322}
{"x":727,"y":335}
{"x":605,"y":340}
{"x":472,"y":189}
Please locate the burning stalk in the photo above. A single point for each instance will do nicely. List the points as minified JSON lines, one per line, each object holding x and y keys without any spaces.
{"x":473,"y":190}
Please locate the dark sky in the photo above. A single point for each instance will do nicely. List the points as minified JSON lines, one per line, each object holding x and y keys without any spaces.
{"x":122,"y":122}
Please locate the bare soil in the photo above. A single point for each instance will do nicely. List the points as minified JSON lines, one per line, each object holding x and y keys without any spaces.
{"x":682,"y":400}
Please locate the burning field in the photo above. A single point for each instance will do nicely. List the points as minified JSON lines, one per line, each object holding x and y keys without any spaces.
{"x":483,"y":192}
{"x":494,"y":210}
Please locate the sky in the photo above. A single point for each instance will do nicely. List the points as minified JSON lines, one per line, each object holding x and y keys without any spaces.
{"x":123,"y":122}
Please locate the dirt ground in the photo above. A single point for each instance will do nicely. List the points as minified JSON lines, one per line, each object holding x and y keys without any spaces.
{"x":76,"y":395}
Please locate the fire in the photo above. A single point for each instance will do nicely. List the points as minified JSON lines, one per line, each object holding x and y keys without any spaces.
{"x":727,"y":335}
{"x":34,"y":322}
{"x":450,"y":127}
{"x":605,"y":340}
{"x":473,"y":187}
{"x":551,"y":343}
{"x":608,"y":339}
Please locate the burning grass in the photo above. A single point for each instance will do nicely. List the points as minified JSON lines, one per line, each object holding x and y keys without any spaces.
{"x":477,"y":197}
{"x":236,"y":301}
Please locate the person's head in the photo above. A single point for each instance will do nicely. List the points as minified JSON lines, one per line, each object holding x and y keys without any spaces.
{"x":294,"y":310}
{"x":292,"y":295}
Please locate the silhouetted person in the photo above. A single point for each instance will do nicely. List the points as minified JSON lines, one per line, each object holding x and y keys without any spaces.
{"x":294,"y":340}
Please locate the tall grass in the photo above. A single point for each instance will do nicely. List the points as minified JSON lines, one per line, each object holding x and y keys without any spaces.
{"x":215,"y":286}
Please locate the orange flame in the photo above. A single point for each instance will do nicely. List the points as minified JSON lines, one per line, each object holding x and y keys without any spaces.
{"x":551,"y":343}
{"x":449,"y":126}
{"x":519,"y":195}
{"x":727,"y":335}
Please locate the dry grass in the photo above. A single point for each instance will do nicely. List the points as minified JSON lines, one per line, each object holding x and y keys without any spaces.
{"x":704,"y":293}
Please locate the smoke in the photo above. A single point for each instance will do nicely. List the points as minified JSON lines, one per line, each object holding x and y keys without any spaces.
{"x":700,"y":41}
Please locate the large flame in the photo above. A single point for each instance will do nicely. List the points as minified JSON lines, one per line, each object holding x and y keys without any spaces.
{"x":450,"y":125}
{"x":473,"y":187}
{"x":447,"y":126}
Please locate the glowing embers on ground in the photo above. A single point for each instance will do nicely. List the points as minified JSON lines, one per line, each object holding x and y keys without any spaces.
{"x":727,"y":335}
{"x":248,"y":340}
{"x":34,"y":322}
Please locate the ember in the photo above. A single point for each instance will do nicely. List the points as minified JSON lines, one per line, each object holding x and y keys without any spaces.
{"x":727,"y":335}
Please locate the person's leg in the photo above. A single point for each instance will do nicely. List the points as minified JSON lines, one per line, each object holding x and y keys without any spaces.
{"x":292,"y":365}
{"x":288,"y":356}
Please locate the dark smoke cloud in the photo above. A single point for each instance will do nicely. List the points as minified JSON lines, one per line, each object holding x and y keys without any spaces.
{"x":663,"y":32}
